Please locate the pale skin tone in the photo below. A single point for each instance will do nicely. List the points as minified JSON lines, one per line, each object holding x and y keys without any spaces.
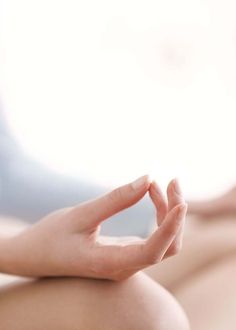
{"x":194,"y":277}
{"x":67,"y":243}
{"x":204,"y":281}
{"x":224,"y":205}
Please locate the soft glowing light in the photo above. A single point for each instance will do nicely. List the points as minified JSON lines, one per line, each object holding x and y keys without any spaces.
{"x":111,"y":90}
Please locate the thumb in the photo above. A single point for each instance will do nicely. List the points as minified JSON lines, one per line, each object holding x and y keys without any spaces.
{"x":97,"y":210}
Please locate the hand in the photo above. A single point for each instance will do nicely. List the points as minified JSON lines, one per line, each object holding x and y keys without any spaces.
{"x":67,"y":242}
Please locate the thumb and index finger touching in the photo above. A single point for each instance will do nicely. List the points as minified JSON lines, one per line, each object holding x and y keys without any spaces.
{"x":154,"y":248}
{"x":97,"y":210}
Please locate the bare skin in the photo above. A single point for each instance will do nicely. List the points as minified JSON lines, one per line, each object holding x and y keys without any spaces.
{"x":188,"y":276}
{"x":84,"y":304}
{"x":224,"y":205}
{"x":204,"y":274}
{"x":209,"y":296}
{"x":205,"y":243}
{"x":195,"y":277}
{"x":67,"y":243}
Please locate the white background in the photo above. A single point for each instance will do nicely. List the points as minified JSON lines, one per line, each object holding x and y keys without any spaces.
{"x":111,"y":90}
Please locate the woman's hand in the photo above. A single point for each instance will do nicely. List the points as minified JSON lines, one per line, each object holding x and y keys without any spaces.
{"x":67,"y":242}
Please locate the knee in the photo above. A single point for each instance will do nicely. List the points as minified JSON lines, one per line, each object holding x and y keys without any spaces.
{"x":147,"y":305}
{"x":135,"y":304}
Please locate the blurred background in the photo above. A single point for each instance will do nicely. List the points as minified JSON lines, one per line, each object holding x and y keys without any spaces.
{"x":107,"y":91}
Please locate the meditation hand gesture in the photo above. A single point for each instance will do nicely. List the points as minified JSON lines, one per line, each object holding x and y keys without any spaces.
{"x":67,"y":242}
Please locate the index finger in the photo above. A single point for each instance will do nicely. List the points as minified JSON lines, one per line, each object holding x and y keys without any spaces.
{"x":92,"y":213}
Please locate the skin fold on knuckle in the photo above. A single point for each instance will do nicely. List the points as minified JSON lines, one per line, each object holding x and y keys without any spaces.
{"x":116,"y":196}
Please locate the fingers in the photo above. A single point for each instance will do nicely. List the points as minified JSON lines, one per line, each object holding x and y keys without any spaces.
{"x":162,"y":238}
{"x":113,"y":259}
{"x":175,"y":197}
{"x":174,"y":194}
{"x":159,"y":201}
{"x":95,"y":211}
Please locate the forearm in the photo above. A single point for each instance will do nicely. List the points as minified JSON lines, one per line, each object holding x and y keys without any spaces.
{"x":66,"y":242}
{"x":17,"y":257}
{"x":9,"y":256}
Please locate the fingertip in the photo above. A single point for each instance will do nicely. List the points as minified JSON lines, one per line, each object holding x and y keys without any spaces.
{"x":148,"y":180}
{"x":174,"y":193}
{"x":176,"y":187}
{"x":141,"y":183}
{"x":171,"y":186}
{"x":154,"y":184}
{"x":155,"y":192}
{"x":155,"y":188}
{"x":152,"y":187}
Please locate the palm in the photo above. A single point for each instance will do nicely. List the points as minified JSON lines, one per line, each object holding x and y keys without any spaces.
{"x":67,"y":242}
{"x":119,"y":257}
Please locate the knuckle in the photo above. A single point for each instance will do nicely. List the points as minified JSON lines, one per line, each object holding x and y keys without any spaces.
{"x":116,"y":195}
{"x":131,"y":189}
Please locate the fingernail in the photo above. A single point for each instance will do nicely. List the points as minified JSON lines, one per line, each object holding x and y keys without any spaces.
{"x":177,"y":187}
{"x":138,"y":184}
